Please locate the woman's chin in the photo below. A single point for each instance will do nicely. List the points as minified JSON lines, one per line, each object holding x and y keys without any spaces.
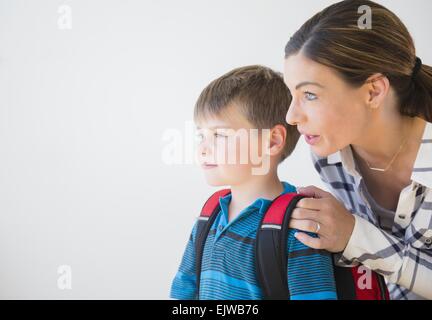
{"x":323,"y":151}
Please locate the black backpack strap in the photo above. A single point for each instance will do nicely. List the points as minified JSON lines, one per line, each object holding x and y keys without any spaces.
{"x":208,"y":215}
{"x":271,"y":247}
{"x":383,"y":289}
{"x":345,"y":283}
{"x":348,"y":284}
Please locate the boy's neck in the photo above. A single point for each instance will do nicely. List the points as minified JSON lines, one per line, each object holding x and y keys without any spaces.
{"x":267,"y":186}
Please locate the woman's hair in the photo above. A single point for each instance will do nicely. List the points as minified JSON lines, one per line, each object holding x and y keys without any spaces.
{"x":334,"y":38}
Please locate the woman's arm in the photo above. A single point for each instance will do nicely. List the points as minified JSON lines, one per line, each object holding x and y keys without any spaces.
{"x":405,"y":259}
{"x":400,"y":262}
{"x":397,"y":259}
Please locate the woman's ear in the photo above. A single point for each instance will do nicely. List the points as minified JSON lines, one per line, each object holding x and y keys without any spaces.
{"x":378,"y":86}
{"x":277,"y":140}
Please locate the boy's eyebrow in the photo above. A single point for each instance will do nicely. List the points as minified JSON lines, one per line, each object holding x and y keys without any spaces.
{"x":216,"y":127}
{"x":308,"y":83}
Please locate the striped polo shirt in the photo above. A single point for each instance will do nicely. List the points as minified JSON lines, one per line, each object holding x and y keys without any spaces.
{"x":228,"y":264}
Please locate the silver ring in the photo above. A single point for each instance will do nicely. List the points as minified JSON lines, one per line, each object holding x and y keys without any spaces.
{"x":318,"y":227}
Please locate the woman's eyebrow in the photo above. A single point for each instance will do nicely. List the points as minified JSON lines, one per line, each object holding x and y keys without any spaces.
{"x":308,"y":83}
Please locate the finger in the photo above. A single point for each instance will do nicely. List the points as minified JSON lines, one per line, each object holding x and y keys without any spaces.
{"x":309,"y":203}
{"x":306,"y":214}
{"x":315,"y":243}
{"x":314,"y":192}
{"x":304,"y":225}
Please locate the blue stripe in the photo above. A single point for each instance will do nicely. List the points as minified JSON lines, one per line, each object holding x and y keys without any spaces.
{"x":222,"y":277}
{"x":183,"y":276}
{"x":331,"y":295}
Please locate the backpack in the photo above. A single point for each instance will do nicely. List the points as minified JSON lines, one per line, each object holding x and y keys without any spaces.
{"x":271,"y":255}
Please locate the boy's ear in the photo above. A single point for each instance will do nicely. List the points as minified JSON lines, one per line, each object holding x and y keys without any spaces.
{"x":277,"y":140}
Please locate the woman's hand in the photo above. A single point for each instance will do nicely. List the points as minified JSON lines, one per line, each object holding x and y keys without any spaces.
{"x":335,"y":222}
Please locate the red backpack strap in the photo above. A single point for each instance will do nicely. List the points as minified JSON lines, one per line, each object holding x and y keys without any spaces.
{"x":212,"y":203}
{"x":205,"y":220}
{"x":375,"y":288}
{"x":270,"y":247}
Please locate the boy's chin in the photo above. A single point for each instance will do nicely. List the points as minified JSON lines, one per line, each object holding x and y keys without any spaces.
{"x":214,"y":183}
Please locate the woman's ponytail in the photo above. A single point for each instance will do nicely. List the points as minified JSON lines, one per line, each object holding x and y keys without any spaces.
{"x":419,"y":99}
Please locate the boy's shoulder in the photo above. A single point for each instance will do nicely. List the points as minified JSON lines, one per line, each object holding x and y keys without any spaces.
{"x":288,"y":187}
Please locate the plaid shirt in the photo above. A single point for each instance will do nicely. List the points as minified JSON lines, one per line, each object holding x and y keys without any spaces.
{"x":404,"y":255}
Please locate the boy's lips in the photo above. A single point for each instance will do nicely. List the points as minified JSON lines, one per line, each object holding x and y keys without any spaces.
{"x":208,"y":166}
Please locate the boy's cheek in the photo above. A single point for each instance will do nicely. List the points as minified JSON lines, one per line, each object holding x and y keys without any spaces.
{"x":207,"y":157}
{"x":232,"y":151}
{"x":228,"y":174}
{"x":238,"y":155}
{"x":236,"y":173}
{"x":218,"y":176}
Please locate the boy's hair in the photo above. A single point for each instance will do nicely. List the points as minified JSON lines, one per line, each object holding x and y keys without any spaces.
{"x":260,"y":94}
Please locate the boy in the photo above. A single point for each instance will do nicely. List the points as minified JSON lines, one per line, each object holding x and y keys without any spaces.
{"x":246,"y":103}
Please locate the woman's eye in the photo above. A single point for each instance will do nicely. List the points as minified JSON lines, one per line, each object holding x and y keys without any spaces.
{"x":310,"y":96}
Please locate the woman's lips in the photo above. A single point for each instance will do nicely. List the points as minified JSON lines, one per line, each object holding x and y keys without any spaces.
{"x":312,"y":139}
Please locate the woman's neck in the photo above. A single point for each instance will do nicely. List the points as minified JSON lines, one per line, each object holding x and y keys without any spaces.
{"x":242,"y":195}
{"x":385,"y":139}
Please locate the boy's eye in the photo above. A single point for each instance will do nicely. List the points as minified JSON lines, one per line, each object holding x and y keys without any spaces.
{"x":219,"y":135}
{"x":199,"y":137}
{"x":310,"y":96}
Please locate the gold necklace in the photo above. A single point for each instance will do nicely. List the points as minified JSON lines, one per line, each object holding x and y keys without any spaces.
{"x":392,"y":160}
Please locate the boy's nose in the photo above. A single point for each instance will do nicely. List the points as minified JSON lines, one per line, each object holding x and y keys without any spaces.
{"x":204,"y":148}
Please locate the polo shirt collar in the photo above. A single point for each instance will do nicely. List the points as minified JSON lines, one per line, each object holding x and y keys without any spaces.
{"x":261,"y":204}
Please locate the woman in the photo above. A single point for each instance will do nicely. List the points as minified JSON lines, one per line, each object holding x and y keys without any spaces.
{"x":363,"y":101}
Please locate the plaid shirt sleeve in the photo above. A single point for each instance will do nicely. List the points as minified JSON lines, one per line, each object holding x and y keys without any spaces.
{"x":404,"y":256}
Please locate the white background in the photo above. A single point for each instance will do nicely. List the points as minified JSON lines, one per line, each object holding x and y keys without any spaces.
{"x":82,"y":116}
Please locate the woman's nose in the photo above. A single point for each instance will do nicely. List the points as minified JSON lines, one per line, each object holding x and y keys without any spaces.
{"x":293,"y":116}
